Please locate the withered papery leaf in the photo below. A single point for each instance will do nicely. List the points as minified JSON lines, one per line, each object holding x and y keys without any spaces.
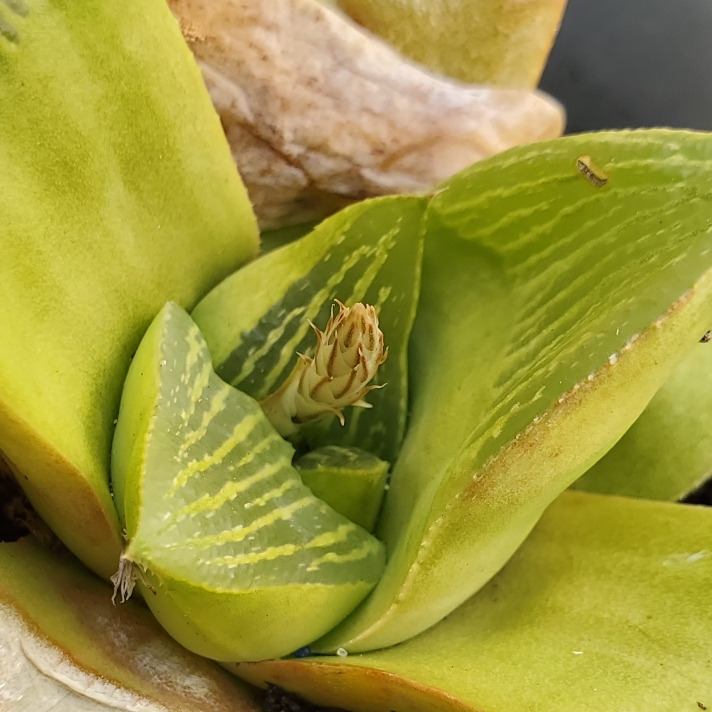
{"x":319,"y":114}
{"x":65,"y":648}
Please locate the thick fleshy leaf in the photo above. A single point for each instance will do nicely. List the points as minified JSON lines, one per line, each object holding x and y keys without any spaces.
{"x":562,"y":283}
{"x":604,"y":608}
{"x":238,"y":559}
{"x":65,"y":648}
{"x":257,"y":320}
{"x":320,"y":114}
{"x":668,"y":451}
{"x":505,"y":42}
{"x":350,"y":480}
{"x":117,"y":192}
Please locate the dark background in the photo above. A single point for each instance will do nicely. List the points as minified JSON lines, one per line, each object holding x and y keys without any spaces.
{"x":633,"y":63}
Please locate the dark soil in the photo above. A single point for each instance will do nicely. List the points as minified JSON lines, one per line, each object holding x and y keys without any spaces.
{"x":278,"y":700}
{"x":13,"y":507}
{"x":17,"y":517}
{"x":702,"y":495}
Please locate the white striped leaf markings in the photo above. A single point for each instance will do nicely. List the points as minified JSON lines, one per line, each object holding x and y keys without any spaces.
{"x":238,"y":558}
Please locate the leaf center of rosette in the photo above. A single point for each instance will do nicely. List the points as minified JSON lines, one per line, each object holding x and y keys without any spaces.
{"x":235,"y":552}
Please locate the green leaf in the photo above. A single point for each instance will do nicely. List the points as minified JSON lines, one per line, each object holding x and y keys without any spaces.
{"x":117,"y":192}
{"x":236,"y":555}
{"x":553,"y":306}
{"x":257,"y":320}
{"x":668,"y":451}
{"x":350,"y":480}
{"x":604,"y":608}
{"x":502,"y":42}
{"x":66,"y":648}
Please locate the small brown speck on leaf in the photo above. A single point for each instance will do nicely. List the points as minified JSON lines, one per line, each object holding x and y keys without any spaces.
{"x":591,"y":173}
{"x":706,"y":337}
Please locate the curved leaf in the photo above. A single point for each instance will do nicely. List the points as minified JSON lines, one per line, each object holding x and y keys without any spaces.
{"x":66,"y":648}
{"x":559,"y":291}
{"x":350,"y":480}
{"x":500,"y":42}
{"x":235,"y":553}
{"x":668,"y":451}
{"x":257,"y":320}
{"x":117,"y":192}
{"x":604,"y":608}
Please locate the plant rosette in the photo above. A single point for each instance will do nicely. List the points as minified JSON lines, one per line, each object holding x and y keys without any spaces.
{"x":532,"y":307}
{"x":277,"y":483}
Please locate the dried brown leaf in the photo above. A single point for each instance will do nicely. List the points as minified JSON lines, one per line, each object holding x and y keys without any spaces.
{"x":319,"y":114}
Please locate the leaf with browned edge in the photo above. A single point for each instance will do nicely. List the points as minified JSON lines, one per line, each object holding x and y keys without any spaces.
{"x":562,"y":284}
{"x":64,"y":647}
{"x":668,"y":451}
{"x":604,"y":608}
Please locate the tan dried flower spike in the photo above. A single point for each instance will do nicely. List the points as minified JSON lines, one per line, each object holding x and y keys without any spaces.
{"x":347,"y":356}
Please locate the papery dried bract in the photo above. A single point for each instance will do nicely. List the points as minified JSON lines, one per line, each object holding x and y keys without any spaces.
{"x":319,"y":114}
{"x":347,"y":356}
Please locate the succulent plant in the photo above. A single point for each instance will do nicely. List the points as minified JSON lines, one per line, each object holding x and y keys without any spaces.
{"x":420,"y":554}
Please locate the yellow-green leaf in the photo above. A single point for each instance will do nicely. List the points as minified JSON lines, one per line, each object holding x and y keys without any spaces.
{"x":66,"y":648}
{"x":257,"y":320}
{"x":668,"y":451}
{"x":501,"y":42}
{"x":604,"y":608}
{"x":562,"y":283}
{"x":236,"y":557}
{"x":118,"y":192}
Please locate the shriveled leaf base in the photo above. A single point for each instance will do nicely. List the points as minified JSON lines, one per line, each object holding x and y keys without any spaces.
{"x":65,"y":648}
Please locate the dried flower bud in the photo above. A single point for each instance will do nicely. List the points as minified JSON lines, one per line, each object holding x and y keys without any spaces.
{"x":347,"y":356}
